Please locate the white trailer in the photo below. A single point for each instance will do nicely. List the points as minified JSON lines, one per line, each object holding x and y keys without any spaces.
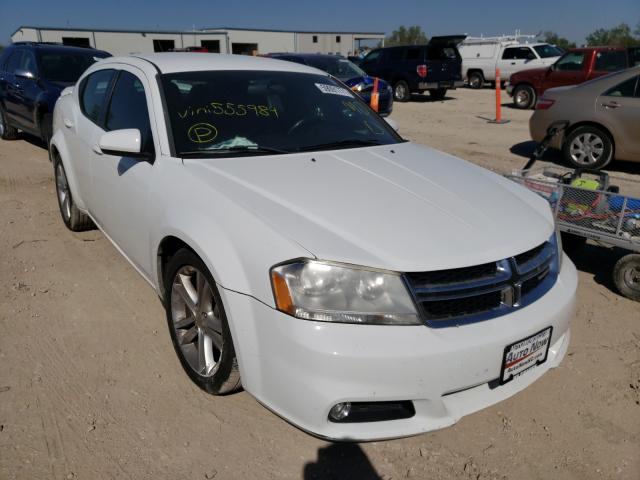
{"x":482,"y":55}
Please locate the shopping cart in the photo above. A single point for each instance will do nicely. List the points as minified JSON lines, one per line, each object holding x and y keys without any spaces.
{"x":587,"y":205}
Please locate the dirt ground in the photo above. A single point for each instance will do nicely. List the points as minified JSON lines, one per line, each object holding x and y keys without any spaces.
{"x":90,"y":387}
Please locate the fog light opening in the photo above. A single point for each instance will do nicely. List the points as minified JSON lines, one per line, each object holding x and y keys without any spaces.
{"x":340,"y":411}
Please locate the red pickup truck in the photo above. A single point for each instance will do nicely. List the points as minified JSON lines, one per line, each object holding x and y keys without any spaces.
{"x":576,"y":66}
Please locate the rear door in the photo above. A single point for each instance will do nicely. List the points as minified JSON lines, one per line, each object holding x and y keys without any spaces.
{"x":618,"y":109}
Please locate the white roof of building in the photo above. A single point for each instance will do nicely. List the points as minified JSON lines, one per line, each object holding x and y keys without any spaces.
{"x":172,"y":62}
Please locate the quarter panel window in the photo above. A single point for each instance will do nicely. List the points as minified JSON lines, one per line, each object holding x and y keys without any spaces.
{"x":128,"y":108}
{"x":93,"y":94}
{"x":628,"y":88}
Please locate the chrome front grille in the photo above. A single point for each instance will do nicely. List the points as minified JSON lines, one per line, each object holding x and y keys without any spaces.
{"x":481,"y":292}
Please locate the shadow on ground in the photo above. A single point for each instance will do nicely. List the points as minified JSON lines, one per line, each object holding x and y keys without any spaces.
{"x":426,"y":98}
{"x":525,"y":150}
{"x":341,"y":461}
{"x":599,"y":262}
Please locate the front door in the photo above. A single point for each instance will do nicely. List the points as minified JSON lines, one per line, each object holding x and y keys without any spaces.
{"x":121,"y":184}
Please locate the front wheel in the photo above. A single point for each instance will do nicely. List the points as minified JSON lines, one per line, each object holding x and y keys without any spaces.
{"x":588,"y":147}
{"x":401,"y":92}
{"x":73,"y":218}
{"x":438,"y":93}
{"x":626,"y":276}
{"x":198,"y":325}
{"x":524,"y":97}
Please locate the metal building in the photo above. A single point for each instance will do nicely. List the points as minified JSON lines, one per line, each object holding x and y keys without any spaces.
{"x":220,"y":40}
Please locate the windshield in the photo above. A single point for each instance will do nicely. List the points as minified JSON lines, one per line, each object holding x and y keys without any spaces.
{"x":263,"y":112}
{"x":547,"y":51}
{"x":338,"y":67}
{"x":67,"y":66}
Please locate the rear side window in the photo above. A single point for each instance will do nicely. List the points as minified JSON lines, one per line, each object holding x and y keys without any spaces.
{"x":628,"y":88}
{"x":396,"y":54}
{"x":611,"y":61}
{"x":571,"y":62}
{"x":414,"y":53}
{"x":128,"y":108}
{"x":93,"y":93}
{"x":66,"y":66}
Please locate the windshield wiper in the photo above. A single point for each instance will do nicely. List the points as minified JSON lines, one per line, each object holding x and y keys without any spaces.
{"x":235,"y":148}
{"x":352,"y":142}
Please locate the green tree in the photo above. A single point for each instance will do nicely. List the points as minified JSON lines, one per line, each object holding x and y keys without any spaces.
{"x":406,"y":36}
{"x":554,"y":39}
{"x":619,"y":36}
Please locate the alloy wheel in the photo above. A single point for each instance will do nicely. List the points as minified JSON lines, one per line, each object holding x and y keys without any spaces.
{"x":196,"y":321}
{"x":632,"y":278}
{"x":586,"y":149}
{"x":401,"y":91}
{"x":1,"y":124}
{"x":523,"y":97}
{"x":64,"y":196}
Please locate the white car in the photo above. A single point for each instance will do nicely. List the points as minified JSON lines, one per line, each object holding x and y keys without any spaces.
{"x":481,"y":57}
{"x":360,"y":286}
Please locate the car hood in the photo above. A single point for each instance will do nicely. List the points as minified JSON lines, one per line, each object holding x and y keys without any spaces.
{"x":402,"y":207}
{"x":530,"y":73}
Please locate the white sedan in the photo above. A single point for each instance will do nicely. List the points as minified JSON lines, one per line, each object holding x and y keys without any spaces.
{"x":358,"y":285}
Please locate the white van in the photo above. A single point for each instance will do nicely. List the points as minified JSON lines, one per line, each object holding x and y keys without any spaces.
{"x":481,"y":57}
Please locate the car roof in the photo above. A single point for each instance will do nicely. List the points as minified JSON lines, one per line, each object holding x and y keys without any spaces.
{"x":308,"y":55}
{"x":55,"y":47}
{"x":175,"y":62}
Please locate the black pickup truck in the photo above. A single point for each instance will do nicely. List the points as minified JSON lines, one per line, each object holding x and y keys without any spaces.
{"x":436,"y":67}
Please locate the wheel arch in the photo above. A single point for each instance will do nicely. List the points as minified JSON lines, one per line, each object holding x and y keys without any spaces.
{"x":58,"y":148}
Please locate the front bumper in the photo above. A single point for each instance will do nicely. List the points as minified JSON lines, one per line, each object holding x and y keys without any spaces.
{"x":300,"y":369}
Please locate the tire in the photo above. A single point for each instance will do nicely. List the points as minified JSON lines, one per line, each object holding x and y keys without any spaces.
{"x":401,"y":92}
{"x":438,"y":93}
{"x":572,"y":243}
{"x":476,"y":80}
{"x":588,"y":147}
{"x":198,"y":325}
{"x":626,"y":276}
{"x":7,"y":132}
{"x":73,"y":218}
{"x":524,"y":97}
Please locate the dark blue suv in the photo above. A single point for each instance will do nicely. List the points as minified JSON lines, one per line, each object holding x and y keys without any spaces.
{"x":32,"y":75}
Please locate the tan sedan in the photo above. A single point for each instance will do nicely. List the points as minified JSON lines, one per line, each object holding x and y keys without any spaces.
{"x":603,"y":116}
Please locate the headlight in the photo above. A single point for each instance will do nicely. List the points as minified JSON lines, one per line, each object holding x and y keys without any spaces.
{"x":330,"y":292}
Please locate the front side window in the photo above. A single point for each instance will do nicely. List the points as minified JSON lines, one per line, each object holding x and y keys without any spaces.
{"x":518,"y":53}
{"x":570,"y":62}
{"x":263,"y":112}
{"x":28,"y":63}
{"x":372,"y":57}
{"x":611,"y":61}
{"x":128,"y":109}
{"x":14,"y":62}
{"x":93,"y":93}
{"x":66,"y":66}
{"x":547,"y":51}
{"x":628,"y":88}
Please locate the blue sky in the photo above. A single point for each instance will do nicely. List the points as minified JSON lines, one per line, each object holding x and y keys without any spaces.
{"x":573,"y":19}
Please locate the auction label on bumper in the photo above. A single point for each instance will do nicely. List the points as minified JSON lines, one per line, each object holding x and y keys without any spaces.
{"x":525,"y":354}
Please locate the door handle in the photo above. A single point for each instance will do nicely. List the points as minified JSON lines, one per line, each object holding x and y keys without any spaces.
{"x":68,"y":123}
{"x":513,"y":63}
{"x":96,"y":148}
{"x":611,"y":105}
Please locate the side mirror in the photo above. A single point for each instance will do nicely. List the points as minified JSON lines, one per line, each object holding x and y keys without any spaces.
{"x":122,"y":143}
{"x":392,"y":123}
{"x":24,"y":74}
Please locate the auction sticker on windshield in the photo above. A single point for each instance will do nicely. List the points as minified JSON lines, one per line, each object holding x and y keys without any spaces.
{"x":333,"y":90}
{"x":525,"y":354}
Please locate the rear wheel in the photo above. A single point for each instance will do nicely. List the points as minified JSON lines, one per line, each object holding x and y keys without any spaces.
{"x":524,"y":97}
{"x":73,"y":218}
{"x":476,"y":80}
{"x":438,"y":93}
{"x":626,"y":276}
{"x":588,"y":147}
{"x":401,"y":92}
{"x":198,"y":325}
{"x":7,"y":132}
